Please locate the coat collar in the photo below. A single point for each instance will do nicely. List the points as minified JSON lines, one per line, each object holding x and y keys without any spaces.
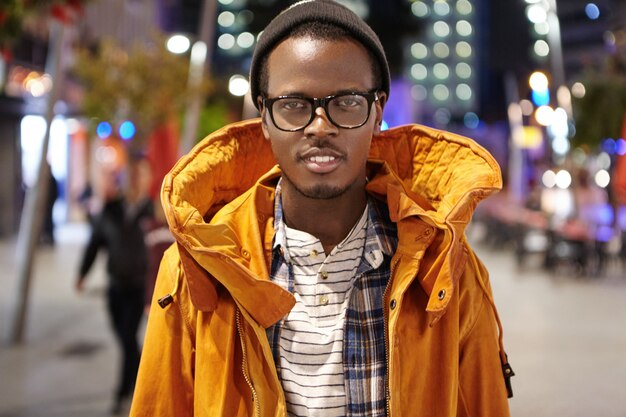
{"x":226,"y":225}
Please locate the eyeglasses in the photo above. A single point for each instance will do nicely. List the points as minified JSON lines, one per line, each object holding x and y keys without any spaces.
{"x":346,"y":110}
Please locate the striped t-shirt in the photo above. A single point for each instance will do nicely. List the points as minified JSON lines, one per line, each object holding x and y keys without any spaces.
{"x":311,"y":348}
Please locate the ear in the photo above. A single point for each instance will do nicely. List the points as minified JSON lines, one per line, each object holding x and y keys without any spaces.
{"x":264,"y":116}
{"x":379,"y":106}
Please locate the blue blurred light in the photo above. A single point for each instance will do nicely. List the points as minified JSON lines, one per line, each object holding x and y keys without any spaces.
{"x":127,"y":130}
{"x":609,"y":146}
{"x":592,"y":11}
{"x":604,"y":233}
{"x":104,"y":130}
{"x":384,"y":126}
{"x":621,"y":146}
{"x":541,"y":97}
{"x":604,"y":215}
{"x":471,"y":120}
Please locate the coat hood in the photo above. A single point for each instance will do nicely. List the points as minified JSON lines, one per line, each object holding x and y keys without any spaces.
{"x":435,"y":175}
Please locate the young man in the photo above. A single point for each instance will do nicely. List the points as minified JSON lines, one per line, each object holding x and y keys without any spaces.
{"x":339,"y":282}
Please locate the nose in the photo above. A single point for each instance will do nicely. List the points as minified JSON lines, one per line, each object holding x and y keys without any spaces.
{"x":320,"y":125}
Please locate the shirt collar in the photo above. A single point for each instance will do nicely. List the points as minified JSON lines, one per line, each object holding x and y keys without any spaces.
{"x":381,"y":234}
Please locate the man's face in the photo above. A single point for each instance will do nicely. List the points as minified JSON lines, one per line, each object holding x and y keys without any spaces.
{"x":321,"y":161}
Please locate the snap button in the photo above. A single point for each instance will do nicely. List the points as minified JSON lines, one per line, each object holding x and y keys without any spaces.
{"x":324,"y":275}
{"x":428,"y":231}
{"x":392,"y":304}
{"x":323,"y":300}
{"x":245,"y":254}
{"x":442,"y":294}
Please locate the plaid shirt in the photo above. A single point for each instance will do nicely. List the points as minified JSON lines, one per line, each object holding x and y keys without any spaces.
{"x":364,"y":356}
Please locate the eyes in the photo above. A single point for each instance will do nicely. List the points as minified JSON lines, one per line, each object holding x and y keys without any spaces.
{"x":294,"y":104}
{"x":347,"y":101}
{"x":348,"y":110}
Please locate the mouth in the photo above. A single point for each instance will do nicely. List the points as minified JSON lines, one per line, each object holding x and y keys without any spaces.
{"x":321,"y":161}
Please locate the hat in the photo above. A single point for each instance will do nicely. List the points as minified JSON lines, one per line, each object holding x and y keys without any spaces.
{"x":324,"y":11}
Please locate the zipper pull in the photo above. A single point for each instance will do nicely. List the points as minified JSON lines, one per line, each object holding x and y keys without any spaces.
{"x":507,"y":371}
{"x":165,"y":300}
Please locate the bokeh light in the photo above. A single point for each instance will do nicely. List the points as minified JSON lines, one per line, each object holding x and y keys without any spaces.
{"x":178,"y":44}
{"x":127,"y":130}
{"x":592,"y":11}
{"x":538,"y":81}
{"x":579,"y":90}
{"x":441,"y":50}
{"x":420,"y":9}
{"x":548,"y":179}
{"x":419,"y":50}
{"x":226,"y":19}
{"x":541,"y":48}
{"x":536,"y":13}
{"x":563,"y":179}
{"x":471,"y":120}
{"x":544,"y":115}
{"x":602,"y":178}
{"x":226,"y":41}
{"x":238,"y":85}
{"x":104,"y":130}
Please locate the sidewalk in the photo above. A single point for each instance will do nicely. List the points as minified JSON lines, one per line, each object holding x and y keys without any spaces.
{"x":565,"y":337}
{"x":68,"y":362}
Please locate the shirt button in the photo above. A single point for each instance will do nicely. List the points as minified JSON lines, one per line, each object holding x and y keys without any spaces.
{"x":324,"y":275}
{"x":323,"y":300}
{"x":392,"y":304}
{"x":314,"y":253}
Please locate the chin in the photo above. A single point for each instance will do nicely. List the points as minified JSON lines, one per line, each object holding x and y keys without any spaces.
{"x":321,"y":191}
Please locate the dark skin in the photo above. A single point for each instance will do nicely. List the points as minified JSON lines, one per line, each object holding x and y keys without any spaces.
{"x":324,"y":172}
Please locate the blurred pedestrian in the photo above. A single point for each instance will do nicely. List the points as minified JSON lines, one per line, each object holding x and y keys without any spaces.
{"x":119,"y":230}
{"x":47,"y":232}
{"x":340,"y":282}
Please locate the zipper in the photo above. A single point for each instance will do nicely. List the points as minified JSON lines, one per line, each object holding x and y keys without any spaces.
{"x":244,"y":365}
{"x":386,"y":318}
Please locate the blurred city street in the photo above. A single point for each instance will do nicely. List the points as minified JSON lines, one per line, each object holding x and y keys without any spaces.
{"x":100,"y":98}
{"x":68,"y":362}
{"x":564,"y":336}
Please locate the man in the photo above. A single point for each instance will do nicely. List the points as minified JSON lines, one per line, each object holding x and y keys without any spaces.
{"x":119,"y":230}
{"x":338,"y":283}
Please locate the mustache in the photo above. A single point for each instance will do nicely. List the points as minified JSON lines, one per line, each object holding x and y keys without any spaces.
{"x":322,"y":143}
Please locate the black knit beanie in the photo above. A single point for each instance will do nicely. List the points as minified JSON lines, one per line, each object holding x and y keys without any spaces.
{"x":325,"y":11}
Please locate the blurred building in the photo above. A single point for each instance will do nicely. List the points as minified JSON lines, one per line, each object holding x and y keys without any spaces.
{"x":450,"y":61}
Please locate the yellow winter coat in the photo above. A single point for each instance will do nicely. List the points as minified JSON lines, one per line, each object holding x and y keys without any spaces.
{"x":206,"y":352}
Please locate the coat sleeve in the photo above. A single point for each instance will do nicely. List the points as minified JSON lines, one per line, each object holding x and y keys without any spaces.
{"x":482,"y":388}
{"x":96,"y":240}
{"x":165,"y":381}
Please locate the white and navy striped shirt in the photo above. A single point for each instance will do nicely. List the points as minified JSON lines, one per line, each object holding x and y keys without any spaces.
{"x":311,"y":347}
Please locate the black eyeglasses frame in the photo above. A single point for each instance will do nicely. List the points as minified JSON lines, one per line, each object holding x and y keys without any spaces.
{"x":370,"y":96}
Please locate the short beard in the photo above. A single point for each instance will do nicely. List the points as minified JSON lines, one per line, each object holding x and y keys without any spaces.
{"x":320,"y":191}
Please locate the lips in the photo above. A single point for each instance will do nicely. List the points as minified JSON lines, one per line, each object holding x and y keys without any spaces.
{"x":321,"y":161}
